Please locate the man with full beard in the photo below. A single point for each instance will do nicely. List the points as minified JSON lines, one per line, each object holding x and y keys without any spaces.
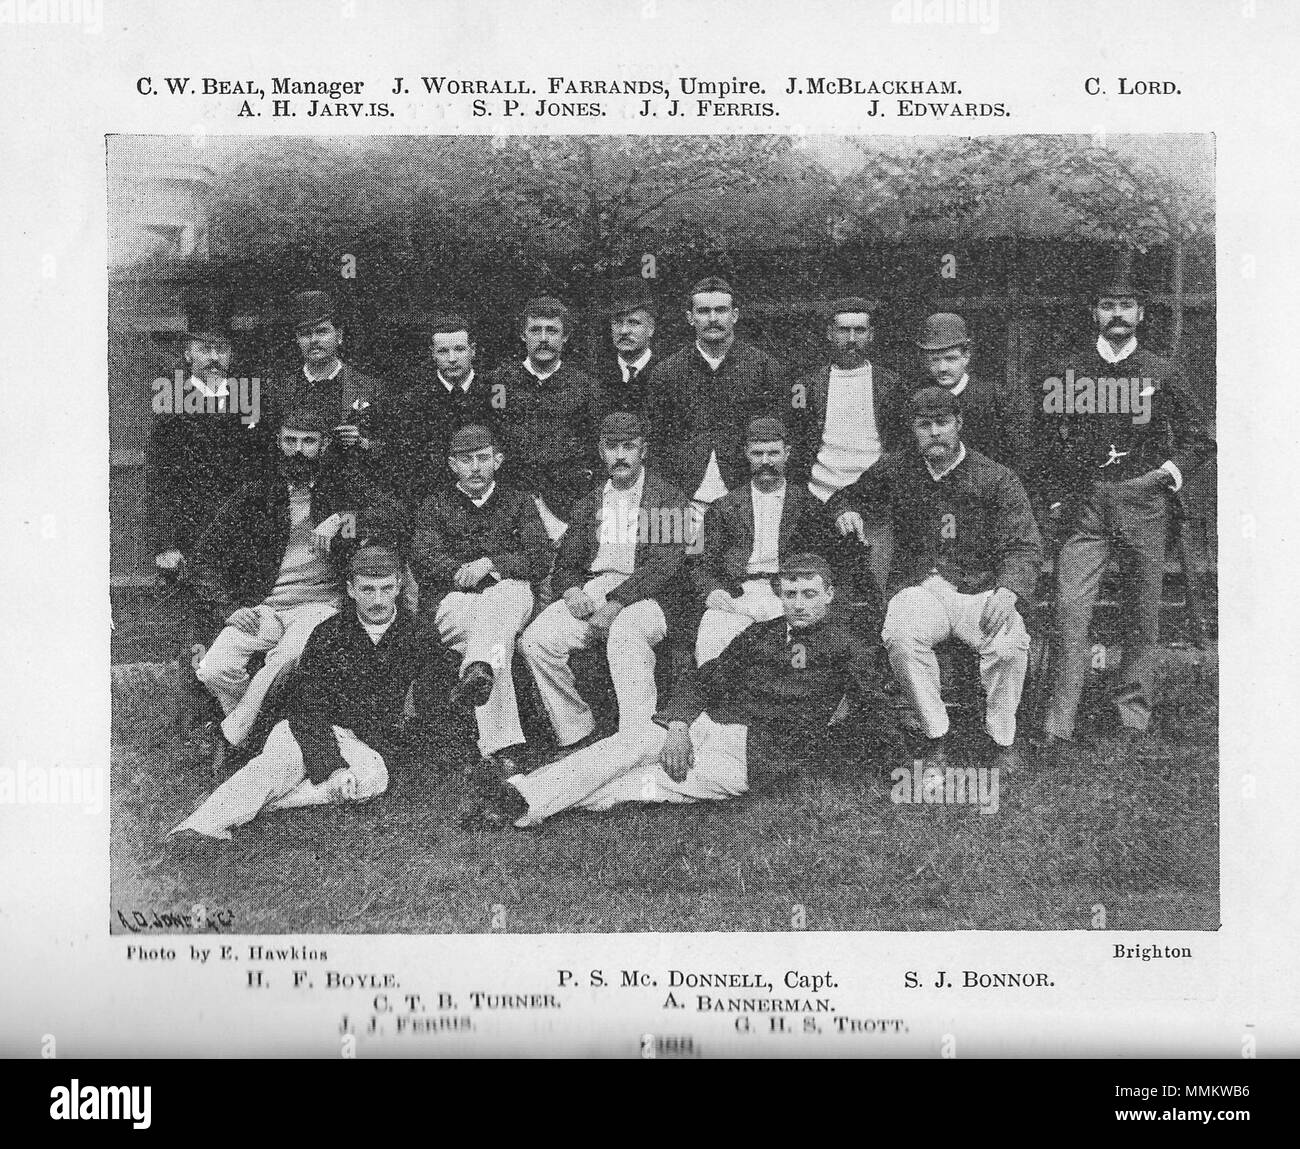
{"x":265,"y":566}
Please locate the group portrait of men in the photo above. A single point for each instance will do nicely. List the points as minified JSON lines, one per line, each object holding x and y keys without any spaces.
{"x":746,"y":550}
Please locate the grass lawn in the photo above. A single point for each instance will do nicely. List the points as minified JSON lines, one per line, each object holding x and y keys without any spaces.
{"x":1140,"y":839}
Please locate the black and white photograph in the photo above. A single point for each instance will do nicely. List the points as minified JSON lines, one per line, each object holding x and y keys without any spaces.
{"x":716,"y":533}
{"x":648,"y":529}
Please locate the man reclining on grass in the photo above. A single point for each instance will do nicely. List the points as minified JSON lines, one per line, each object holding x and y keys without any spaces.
{"x":344,"y":710}
{"x":739,"y":722}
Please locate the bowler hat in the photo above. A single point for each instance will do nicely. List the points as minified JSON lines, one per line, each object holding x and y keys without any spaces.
{"x":630,"y":294}
{"x":472,"y":437}
{"x":941,"y":331}
{"x":208,"y":323}
{"x":312,"y":307}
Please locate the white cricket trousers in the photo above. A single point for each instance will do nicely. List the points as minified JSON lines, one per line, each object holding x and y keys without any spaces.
{"x":276,"y":780}
{"x":282,"y":634}
{"x":625,"y":768}
{"x":554,"y":634}
{"x":757,"y":602}
{"x":921,"y":617}
{"x":483,"y":627}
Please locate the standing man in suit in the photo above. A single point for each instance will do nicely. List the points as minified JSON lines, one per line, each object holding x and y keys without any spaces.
{"x":480,"y":552}
{"x":746,"y":533}
{"x":1118,"y":431}
{"x":625,"y":382}
{"x":200,"y":454}
{"x":548,"y":416}
{"x":349,"y":402}
{"x":706,"y":394}
{"x":854,"y":412}
{"x":987,"y":421}
{"x":966,"y":558}
{"x":445,"y":396}
{"x":753,"y":715}
{"x":616,"y":579}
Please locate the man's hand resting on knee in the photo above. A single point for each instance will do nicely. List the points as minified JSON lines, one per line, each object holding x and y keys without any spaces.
{"x":999,"y":611}
{"x":678,"y":755}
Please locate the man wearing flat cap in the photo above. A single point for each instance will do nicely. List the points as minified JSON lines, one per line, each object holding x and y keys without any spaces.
{"x":754,"y":715}
{"x":548,"y":415}
{"x":616,"y":576}
{"x":626,"y":380}
{"x":269,"y":565}
{"x":987,"y":421}
{"x":348,"y":401}
{"x":965,"y":564}
{"x":853,"y":412}
{"x":705,"y":395}
{"x":480,"y":553}
{"x":1117,"y":433}
{"x":343,"y":712}
{"x":746,"y":533}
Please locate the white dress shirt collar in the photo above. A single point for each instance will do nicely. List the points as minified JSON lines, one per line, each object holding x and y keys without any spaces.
{"x":450,"y":386}
{"x":528,"y":366}
{"x":1108,"y":352}
{"x":338,"y":366}
{"x":635,"y":365}
{"x":478,"y":500}
{"x":937,"y":475}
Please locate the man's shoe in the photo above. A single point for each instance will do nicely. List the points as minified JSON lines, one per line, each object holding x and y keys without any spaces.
{"x":497,"y":809}
{"x":505,"y":763}
{"x":1052,"y":749}
{"x":474,"y":687}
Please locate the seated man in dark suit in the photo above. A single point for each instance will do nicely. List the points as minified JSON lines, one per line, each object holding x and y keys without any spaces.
{"x":966,"y":558}
{"x":745,"y":535}
{"x":344,"y":711}
{"x":754,"y":714}
{"x":616,"y":576}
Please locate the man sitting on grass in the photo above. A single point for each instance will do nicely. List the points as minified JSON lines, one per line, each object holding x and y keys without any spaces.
{"x":344,"y":709}
{"x":738,"y":723}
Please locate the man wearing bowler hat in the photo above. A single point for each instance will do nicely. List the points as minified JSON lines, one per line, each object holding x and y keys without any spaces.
{"x":625,"y":382}
{"x":201,"y":449}
{"x":616,"y":576}
{"x":986,"y":420}
{"x":1117,"y":433}
{"x":966,"y":558}
{"x":480,"y":552}
{"x":348,"y":401}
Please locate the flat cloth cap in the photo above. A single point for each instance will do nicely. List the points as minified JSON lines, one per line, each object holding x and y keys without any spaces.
{"x":305,"y":419}
{"x":933,"y":401}
{"x":472,"y":437}
{"x":312,"y":307}
{"x":765,"y":429}
{"x":621,"y":425}
{"x":375,"y":562}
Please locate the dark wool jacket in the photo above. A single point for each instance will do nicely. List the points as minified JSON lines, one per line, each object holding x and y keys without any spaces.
{"x":990,"y":423}
{"x":729,"y":537}
{"x":974,"y":526}
{"x":616,"y":395}
{"x":548,"y":432}
{"x":194,"y":463}
{"x":343,"y":679}
{"x":695,"y":413}
{"x":785,"y":689}
{"x":451,"y":531}
{"x":416,"y":429}
{"x":806,"y":425}
{"x":238,"y":557}
{"x":660,"y":549}
{"x":1072,"y":451}
{"x":351,"y":397}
